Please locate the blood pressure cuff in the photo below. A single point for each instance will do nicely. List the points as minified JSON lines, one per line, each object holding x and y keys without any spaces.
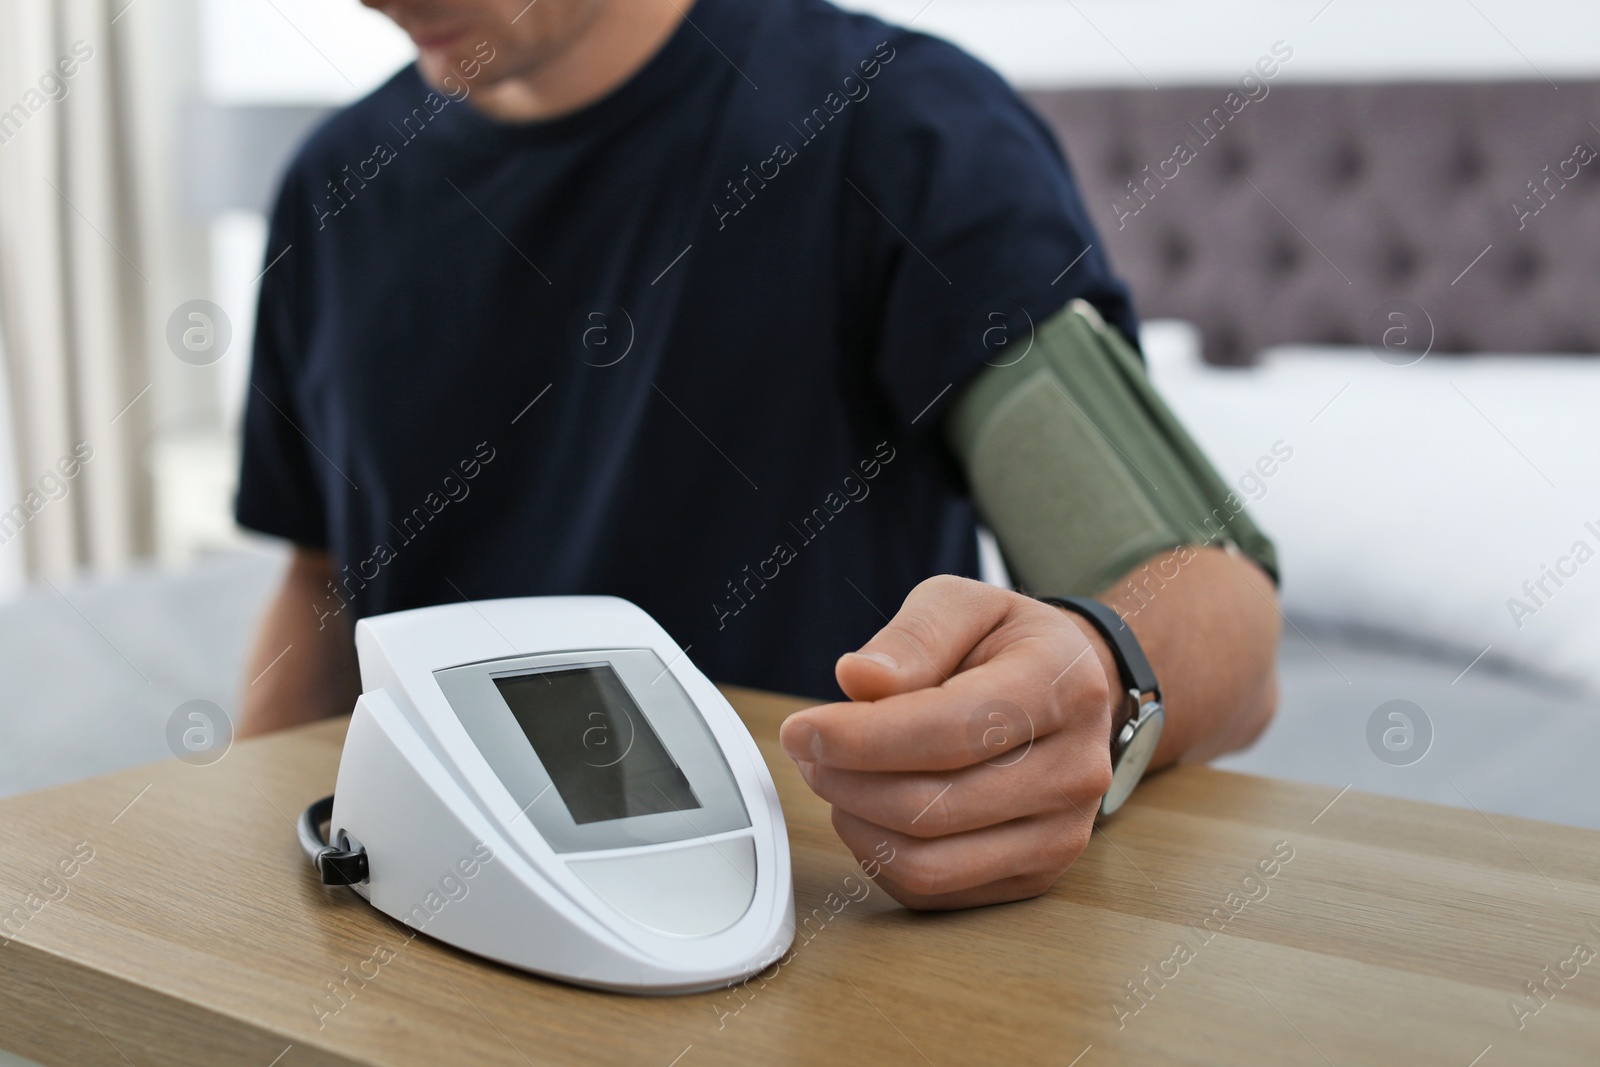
{"x":1082,"y":471}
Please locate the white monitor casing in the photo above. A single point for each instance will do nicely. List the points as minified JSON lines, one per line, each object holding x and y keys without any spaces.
{"x":416,"y":793}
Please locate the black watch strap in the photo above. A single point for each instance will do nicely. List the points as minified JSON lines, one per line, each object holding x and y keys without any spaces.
{"x":1131,"y":662}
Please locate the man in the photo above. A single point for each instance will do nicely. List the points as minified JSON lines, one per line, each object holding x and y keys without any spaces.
{"x":732,"y":310}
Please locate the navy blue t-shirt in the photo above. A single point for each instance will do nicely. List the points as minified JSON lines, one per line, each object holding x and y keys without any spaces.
{"x":691,"y":345}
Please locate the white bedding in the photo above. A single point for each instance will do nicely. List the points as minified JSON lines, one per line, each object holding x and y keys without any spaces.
{"x":1426,"y":501}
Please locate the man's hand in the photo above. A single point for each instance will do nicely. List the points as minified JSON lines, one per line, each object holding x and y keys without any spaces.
{"x":976,"y":750}
{"x":978,"y":743}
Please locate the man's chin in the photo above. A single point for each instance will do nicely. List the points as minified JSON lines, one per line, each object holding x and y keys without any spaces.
{"x":435,"y":64}
{"x":469,"y":62}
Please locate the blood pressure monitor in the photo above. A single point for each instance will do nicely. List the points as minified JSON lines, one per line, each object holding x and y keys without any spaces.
{"x":550,"y":783}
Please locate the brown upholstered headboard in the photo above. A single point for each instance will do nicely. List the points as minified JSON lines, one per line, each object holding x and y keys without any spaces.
{"x":1395,"y":191}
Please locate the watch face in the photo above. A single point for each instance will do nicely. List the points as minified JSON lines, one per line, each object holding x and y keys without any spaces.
{"x":1134,"y":760}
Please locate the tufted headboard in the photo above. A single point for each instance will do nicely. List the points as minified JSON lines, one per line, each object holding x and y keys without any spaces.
{"x":1395,"y":191}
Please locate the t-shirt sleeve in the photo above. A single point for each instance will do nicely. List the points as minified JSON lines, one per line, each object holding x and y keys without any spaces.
{"x":976,"y":223}
{"x":280,"y":492}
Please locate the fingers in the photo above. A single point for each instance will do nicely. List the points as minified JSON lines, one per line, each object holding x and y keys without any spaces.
{"x":1016,"y":860}
{"x":1048,"y":674}
{"x":942,"y":620}
{"x":929,"y":730}
{"x":1001,"y":891}
{"x":974,"y":749}
{"x":1052,"y":777}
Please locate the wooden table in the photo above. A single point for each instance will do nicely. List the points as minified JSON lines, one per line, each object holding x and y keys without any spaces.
{"x":1398,"y":933}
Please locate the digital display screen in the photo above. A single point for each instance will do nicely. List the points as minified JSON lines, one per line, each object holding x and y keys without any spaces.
{"x":598,"y":748}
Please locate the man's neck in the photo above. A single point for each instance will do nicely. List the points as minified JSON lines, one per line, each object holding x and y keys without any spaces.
{"x":606,"y":46}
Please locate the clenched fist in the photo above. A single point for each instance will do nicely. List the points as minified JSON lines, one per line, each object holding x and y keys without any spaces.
{"x":974,"y":750}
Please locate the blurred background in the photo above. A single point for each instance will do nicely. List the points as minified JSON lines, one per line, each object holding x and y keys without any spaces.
{"x":1368,"y":287}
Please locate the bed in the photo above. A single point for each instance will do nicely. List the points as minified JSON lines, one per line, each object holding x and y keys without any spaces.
{"x":1442,"y":470}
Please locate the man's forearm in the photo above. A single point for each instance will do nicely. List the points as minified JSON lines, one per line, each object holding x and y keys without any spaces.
{"x":1208,"y":622}
{"x":299,"y":669}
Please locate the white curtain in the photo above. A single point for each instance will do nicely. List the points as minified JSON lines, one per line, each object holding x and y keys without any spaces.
{"x":74,"y":288}
{"x":11,"y":560}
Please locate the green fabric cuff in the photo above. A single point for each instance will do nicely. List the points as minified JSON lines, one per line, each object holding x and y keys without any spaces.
{"x":1080,"y":468}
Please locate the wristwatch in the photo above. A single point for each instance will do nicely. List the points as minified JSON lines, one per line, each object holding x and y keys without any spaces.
{"x":1136,"y":725}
